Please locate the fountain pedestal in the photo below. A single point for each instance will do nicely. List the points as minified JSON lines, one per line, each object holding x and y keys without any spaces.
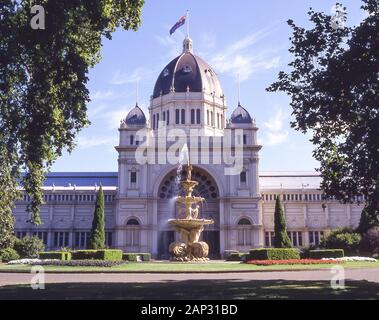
{"x":189,"y":248}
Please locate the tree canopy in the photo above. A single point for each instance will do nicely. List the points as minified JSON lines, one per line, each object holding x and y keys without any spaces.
{"x":43,"y":78}
{"x":333,"y":84}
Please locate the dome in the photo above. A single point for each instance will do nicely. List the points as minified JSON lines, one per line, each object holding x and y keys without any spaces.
{"x":187,"y":71}
{"x":240,"y":115}
{"x":135,"y":117}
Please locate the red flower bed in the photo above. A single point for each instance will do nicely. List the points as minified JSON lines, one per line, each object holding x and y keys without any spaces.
{"x":291,"y":261}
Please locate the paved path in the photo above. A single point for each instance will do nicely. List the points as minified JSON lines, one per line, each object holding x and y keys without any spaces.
{"x":371,"y":275}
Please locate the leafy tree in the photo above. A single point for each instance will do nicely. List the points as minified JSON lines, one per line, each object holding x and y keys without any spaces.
{"x":281,"y":237}
{"x":333,"y":84}
{"x":97,"y":239}
{"x":43,"y":78}
{"x":29,"y":247}
{"x":8,"y":194}
{"x":343,"y":238}
{"x":366,"y":222}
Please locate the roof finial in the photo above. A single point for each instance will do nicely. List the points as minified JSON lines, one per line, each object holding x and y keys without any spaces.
{"x":238,"y":89}
{"x":137,"y":92}
{"x":188,"y":26}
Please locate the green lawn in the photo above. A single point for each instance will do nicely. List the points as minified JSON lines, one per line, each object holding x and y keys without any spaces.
{"x":196,"y":289}
{"x":172,"y":267}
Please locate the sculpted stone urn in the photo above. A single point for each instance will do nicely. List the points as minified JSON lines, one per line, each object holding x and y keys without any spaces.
{"x":189,"y":226}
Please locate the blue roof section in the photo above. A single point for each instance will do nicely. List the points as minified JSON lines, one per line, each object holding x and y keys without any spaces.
{"x":81,"y":179}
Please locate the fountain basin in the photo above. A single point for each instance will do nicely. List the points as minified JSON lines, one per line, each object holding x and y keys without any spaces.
{"x":190,"y":223}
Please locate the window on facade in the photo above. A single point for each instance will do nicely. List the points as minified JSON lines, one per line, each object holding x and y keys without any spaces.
{"x":131,"y":139}
{"x":244,"y":232}
{"x":198,"y":116}
{"x":315,"y":237}
{"x":157,"y":120}
{"x":133,"y":232}
{"x":82,"y":239}
{"x":269,"y":238}
{"x":222,"y":121}
{"x":212,"y":120}
{"x":208,"y":122}
{"x":192,"y":116}
{"x":177,"y":116}
{"x":61,"y":239}
{"x":168,"y":117}
{"x":164,"y":116}
{"x":109,"y":238}
{"x":153,"y":121}
{"x":244,"y":139}
{"x":243,"y":177}
{"x":133,"y":177}
{"x":183,"y":116}
{"x":41,"y":235}
{"x":296,"y":238}
{"x":21,"y":234}
{"x":218,"y":120}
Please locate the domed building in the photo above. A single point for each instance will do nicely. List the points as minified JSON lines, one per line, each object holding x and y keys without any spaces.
{"x":187,"y":106}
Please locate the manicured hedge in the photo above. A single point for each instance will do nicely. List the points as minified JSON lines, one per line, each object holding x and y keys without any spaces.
{"x":227,"y":253}
{"x":107,"y":254}
{"x":59,"y":255}
{"x":134,"y":257}
{"x":274,"y":254}
{"x":78,"y":263}
{"x":327,"y":253}
{"x":237,"y":256}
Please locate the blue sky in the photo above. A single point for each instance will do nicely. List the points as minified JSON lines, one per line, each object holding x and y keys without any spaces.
{"x":245,"y":37}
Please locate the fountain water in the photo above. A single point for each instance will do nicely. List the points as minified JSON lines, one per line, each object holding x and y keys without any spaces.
{"x":188,"y":225}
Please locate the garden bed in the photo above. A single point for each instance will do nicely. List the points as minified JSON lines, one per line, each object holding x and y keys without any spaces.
{"x":292,"y":262}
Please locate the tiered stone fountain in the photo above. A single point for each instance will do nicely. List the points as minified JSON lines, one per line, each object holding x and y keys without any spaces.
{"x":189,"y":226}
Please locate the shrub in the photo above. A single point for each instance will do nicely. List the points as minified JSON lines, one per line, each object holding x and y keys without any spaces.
{"x":238,"y":256}
{"x":72,"y":263}
{"x":134,"y":257}
{"x":146,"y":257}
{"x":59,"y":255}
{"x":8,"y":254}
{"x":274,"y":254}
{"x":281,"y":239}
{"x":97,"y":238}
{"x":370,"y":241}
{"x":344,"y":238}
{"x":227,"y":253}
{"x":29,"y":247}
{"x":107,"y":254}
{"x":327,"y":253}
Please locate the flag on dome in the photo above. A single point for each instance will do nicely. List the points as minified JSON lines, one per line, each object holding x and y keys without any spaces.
{"x":177,"y":25}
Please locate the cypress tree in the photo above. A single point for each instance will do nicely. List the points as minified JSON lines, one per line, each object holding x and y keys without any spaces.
{"x":366,"y":222}
{"x":97,"y":238}
{"x":281,"y":237}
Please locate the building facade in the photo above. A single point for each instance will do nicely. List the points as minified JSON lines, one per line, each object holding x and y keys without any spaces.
{"x":140,"y":197}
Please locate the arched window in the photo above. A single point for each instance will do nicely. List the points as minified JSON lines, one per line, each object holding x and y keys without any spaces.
{"x":208,"y":123}
{"x":168,"y":117}
{"x":192,"y":116}
{"x":131,"y":139}
{"x":198,"y":116}
{"x":243,"y":177}
{"x":133,"y":232}
{"x":183,"y":116}
{"x":244,"y":222}
{"x":133,"y":177}
{"x":153,"y":121}
{"x":244,"y":232}
{"x":177,"y":116}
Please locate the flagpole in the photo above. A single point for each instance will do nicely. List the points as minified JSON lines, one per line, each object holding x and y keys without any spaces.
{"x":188,"y":24}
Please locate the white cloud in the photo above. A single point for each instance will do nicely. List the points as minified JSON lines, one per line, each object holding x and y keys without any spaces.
{"x":103,"y":95}
{"x":275,"y":133}
{"x":91,"y":142}
{"x":238,"y":59}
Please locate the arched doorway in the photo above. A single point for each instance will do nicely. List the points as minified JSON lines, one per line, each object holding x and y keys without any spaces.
{"x":168,"y":209}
